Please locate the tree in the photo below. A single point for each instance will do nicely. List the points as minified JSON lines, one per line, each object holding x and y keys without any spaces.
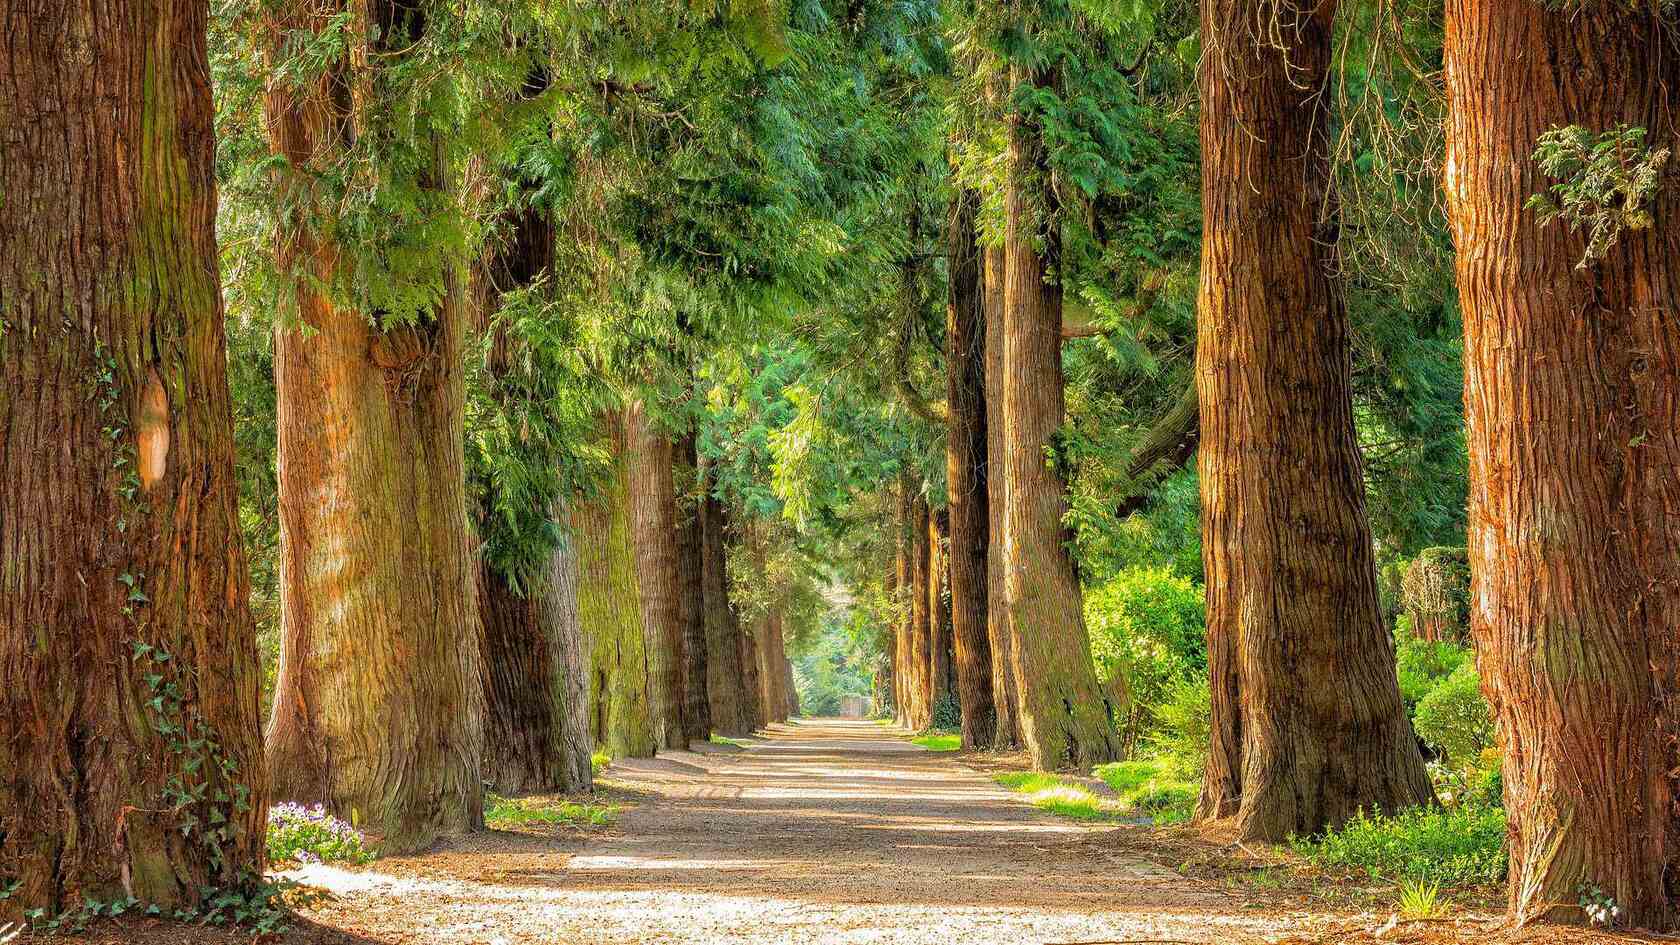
{"x":921,"y":615}
{"x":1064,"y":717}
{"x":725,"y":674}
{"x":1572,"y":375}
{"x":128,"y":731}
{"x":659,"y":571}
{"x":697,"y":709}
{"x":1006,"y":695}
{"x":1308,"y":726}
{"x":610,"y":607}
{"x":379,"y":708}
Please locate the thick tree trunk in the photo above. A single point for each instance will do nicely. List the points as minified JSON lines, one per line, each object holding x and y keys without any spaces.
{"x":609,"y":605}
{"x":921,"y":618}
{"x":965,"y":468}
{"x":536,"y":680}
{"x":725,"y":674}
{"x":659,"y":572}
{"x":378,"y":710}
{"x":1572,"y":383}
{"x":1005,"y":694}
{"x":124,"y":578}
{"x":1064,"y":717}
{"x":752,"y":673}
{"x":697,"y":709}
{"x":1307,"y":720}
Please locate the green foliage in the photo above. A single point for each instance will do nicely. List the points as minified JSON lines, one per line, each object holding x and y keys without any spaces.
{"x":1152,"y":787}
{"x":1420,"y":899}
{"x":1186,"y":725}
{"x":1455,"y":720}
{"x":1603,"y":183}
{"x":1459,"y":846}
{"x":1436,"y":593}
{"x":947,"y":712}
{"x":1147,"y":630}
{"x":299,"y":834}
{"x":1058,"y":795}
{"x":1423,"y":665}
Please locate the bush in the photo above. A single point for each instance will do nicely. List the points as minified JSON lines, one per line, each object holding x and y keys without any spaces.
{"x":1454,"y":719}
{"x":1147,"y":634}
{"x":1454,"y":846}
{"x":311,"y":835}
{"x":1423,"y":665}
{"x":1186,"y":724}
{"x":947,"y":713}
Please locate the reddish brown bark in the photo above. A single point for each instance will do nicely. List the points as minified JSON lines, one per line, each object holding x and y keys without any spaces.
{"x":378,"y":710}
{"x":904,"y":593}
{"x":725,"y":673}
{"x":942,"y":663}
{"x":659,"y":572}
{"x":122,"y":577}
{"x":965,"y":454}
{"x":1005,"y":693}
{"x":1308,"y":725}
{"x":697,"y":709}
{"x":1572,"y":390}
{"x":921,"y":618}
{"x":1063,"y":714}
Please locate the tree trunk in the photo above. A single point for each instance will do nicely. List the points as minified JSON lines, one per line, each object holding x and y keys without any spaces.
{"x":1064,"y":717}
{"x":1308,"y":725}
{"x":378,"y":709}
{"x":903,"y":611}
{"x":609,"y":605}
{"x":1005,"y":694}
{"x":965,"y":468}
{"x":536,"y":681}
{"x":942,"y":668}
{"x":725,"y":674}
{"x":1572,"y":390}
{"x":752,"y":675}
{"x":697,"y":709}
{"x":659,"y":572}
{"x":124,"y":578}
{"x":921,"y":618}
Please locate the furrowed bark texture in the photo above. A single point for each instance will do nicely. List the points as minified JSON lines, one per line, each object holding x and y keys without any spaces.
{"x":725,"y":674}
{"x":1005,"y":695}
{"x":1308,"y":725}
{"x":921,"y":619}
{"x":752,"y":673}
{"x":965,"y":469}
{"x":1572,"y":390}
{"x":610,"y":608}
{"x":118,"y":521}
{"x":536,"y":681}
{"x":659,"y":572}
{"x":697,"y":708}
{"x":942,"y":663}
{"x":378,"y":710}
{"x":1063,"y":716}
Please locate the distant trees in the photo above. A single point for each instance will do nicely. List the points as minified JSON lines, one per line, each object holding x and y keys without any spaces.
{"x":1572,"y":389}
{"x":130,"y":761}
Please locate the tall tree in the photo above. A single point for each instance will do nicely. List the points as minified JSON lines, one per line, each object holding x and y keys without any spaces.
{"x":965,"y":340}
{"x":1005,"y":694}
{"x":659,"y":571}
{"x":1308,"y":727}
{"x":610,"y":607}
{"x":1572,"y":377}
{"x":697,"y":709}
{"x":725,"y":674}
{"x":1064,"y":717}
{"x":379,"y":708}
{"x":129,"y":747}
{"x":921,"y":616}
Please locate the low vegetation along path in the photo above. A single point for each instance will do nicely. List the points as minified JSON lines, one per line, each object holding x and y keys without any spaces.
{"x":819,"y":831}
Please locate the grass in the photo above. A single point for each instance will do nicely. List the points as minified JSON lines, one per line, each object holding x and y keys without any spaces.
{"x":503,"y":812}
{"x":1420,"y":899}
{"x":599,"y":761}
{"x":1058,"y":796}
{"x":1151,"y":788}
{"x":1458,"y":846}
{"x":726,"y":740}
{"x":939,"y":741}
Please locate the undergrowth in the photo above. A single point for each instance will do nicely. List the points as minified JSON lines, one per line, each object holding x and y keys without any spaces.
{"x":302,"y":834}
{"x":1152,"y":788}
{"x":1459,"y":846}
{"x":938,"y":741}
{"x":502,"y":812}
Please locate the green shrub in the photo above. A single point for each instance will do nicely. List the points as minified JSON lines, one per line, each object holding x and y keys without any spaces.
{"x":947,"y":712}
{"x":1456,"y":846}
{"x":1454,"y":719}
{"x":1147,"y":632}
{"x":302,"y":834}
{"x":1152,"y":787}
{"x":1186,"y":724}
{"x":1423,"y":665}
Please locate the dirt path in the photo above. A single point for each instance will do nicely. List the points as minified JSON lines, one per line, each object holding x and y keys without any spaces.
{"x":818,"y":832}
